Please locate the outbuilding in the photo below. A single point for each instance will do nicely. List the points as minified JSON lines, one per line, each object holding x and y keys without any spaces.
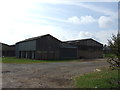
{"x":87,"y":48}
{"x":7,"y":50}
{"x":45,"y":47}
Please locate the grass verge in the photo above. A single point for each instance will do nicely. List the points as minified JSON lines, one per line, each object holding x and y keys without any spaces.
{"x":30,"y":61}
{"x":105,"y":78}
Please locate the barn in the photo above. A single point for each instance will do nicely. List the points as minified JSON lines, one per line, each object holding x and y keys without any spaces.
{"x":87,"y":48}
{"x":7,"y":50}
{"x":45,"y":47}
{"x":0,"y":50}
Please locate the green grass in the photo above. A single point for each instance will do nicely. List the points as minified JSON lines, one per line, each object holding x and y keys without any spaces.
{"x":103,"y":79}
{"x":21,"y":61}
{"x":30,"y":61}
{"x":110,"y":55}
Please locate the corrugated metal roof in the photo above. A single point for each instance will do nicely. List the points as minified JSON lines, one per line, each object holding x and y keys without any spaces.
{"x":4,"y":44}
{"x":78,"y":41}
{"x":34,"y":38}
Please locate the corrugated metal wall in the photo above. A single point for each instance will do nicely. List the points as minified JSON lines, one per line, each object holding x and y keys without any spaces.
{"x":47,"y":48}
{"x":44,"y":55}
{"x":27,"y":46}
{"x":47,"y":43}
{"x":88,"y":48}
{"x":8,"y":51}
{"x":66,"y":53}
{"x":26,"y":49}
{"x":0,"y":49}
{"x":17,"y":50}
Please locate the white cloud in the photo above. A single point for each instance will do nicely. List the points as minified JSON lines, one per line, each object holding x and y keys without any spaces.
{"x":81,"y":20}
{"x":74,"y":20}
{"x":87,"y":19}
{"x":99,"y":9}
{"x":13,"y":31}
{"x":17,"y":32}
{"x":105,"y":22}
{"x":47,"y":17}
{"x":104,"y":35}
{"x":84,"y":34}
{"x":20,"y":31}
{"x":101,"y":36}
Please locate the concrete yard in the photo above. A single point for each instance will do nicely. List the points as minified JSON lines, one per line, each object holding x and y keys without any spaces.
{"x":46,"y":75}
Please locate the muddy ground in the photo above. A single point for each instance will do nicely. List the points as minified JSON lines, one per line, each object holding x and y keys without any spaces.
{"x":46,"y":75}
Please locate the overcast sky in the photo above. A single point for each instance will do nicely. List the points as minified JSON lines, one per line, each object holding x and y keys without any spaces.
{"x":64,"y":19}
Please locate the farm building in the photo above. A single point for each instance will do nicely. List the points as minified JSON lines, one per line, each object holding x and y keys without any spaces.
{"x":0,"y":49}
{"x":87,"y":48}
{"x":7,"y":50}
{"x":45,"y":47}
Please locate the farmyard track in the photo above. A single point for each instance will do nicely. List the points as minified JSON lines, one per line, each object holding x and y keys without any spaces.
{"x":46,"y":75}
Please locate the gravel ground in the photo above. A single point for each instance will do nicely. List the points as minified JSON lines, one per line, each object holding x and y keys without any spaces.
{"x":46,"y":75}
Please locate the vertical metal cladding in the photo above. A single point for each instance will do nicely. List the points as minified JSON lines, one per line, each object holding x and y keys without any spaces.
{"x":26,"y":49}
{"x":17,"y":52}
{"x":88,"y":48}
{"x":7,"y":50}
{"x":44,"y":48}
{"x":48,"y":47}
{"x":0,"y":50}
{"x":68,"y":51}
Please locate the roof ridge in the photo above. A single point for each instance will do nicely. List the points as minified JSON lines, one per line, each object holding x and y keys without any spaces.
{"x":83,"y":40}
{"x":33,"y":38}
{"x":80,"y":39}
